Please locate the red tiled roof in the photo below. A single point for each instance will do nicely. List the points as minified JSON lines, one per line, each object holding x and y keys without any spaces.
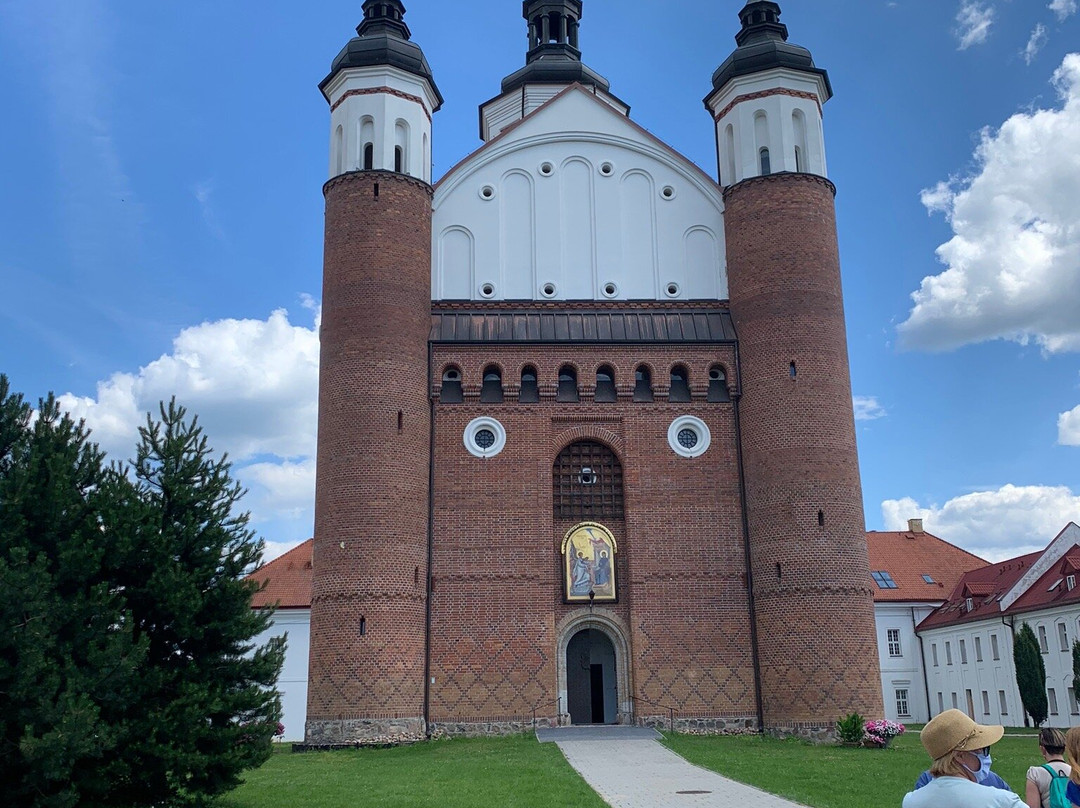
{"x":908,"y":556}
{"x":1070,"y":562}
{"x":994,"y":580}
{"x":288,"y":580}
{"x":1040,"y":596}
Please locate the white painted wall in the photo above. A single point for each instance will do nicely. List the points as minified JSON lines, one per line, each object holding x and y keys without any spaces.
{"x":292,"y":684}
{"x":989,"y":674}
{"x":580,"y":199}
{"x":774,"y":121}
{"x":905,"y":671}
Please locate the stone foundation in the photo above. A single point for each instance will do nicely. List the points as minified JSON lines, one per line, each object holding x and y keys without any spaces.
{"x":364,"y":731}
{"x":461,"y":729}
{"x":702,"y":725}
{"x":813,"y":733}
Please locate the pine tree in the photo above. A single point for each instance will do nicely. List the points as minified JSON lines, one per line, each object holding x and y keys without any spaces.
{"x":128,"y":673}
{"x":1030,"y":674}
{"x":1076,"y":668}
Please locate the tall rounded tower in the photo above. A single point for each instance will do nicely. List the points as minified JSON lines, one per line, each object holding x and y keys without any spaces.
{"x":369,"y":599}
{"x":811,"y":580}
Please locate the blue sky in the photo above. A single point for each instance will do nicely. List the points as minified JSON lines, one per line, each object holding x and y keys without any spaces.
{"x":161,"y":221}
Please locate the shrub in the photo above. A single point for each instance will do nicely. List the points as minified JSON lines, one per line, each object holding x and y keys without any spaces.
{"x":850,"y":728}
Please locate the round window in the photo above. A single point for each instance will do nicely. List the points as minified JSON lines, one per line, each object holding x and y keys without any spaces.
{"x":610,"y":289}
{"x":689,"y":436}
{"x":672,"y":290}
{"x":487,"y":290}
{"x":607,"y":169}
{"x":547,"y":169}
{"x":484,"y":437}
{"x":548,"y":290}
{"x":487,"y":192}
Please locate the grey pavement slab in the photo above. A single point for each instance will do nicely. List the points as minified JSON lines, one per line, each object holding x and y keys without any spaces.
{"x":632,"y":773}
{"x":597,"y":732}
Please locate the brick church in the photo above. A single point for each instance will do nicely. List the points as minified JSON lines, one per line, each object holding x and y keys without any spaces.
{"x":586,"y":444}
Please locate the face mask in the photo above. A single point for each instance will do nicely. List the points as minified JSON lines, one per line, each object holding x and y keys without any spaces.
{"x":984,"y":766}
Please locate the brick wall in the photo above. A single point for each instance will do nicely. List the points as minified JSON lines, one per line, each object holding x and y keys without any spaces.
{"x":497,"y":596}
{"x":811,"y":581}
{"x":371,"y":500}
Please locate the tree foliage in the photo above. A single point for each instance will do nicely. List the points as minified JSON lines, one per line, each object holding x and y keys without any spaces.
{"x":128,"y":675}
{"x":1076,"y":667}
{"x":1030,"y":674}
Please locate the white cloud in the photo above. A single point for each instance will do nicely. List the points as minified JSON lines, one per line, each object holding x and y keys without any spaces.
{"x":1000,"y":524}
{"x":253,"y":385}
{"x":1063,"y":8}
{"x":867,"y":408}
{"x":1069,"y":427}
{"x":1013,"y":263}
{"x":273,"y":549}
{"x":203,"y":191}
{"x":1035,"y":43}
{"x":973,"y":20}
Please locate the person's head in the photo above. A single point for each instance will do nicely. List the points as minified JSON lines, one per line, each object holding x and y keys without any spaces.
{"x":1072,"y":749}
{"x":958,"y":746}
{"x":1052,"y":741}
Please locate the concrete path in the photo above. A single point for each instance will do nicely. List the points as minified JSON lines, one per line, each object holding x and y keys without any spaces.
{"x":630,"y":772}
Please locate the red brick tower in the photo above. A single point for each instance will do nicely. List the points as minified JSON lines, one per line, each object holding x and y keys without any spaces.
{"x":811,"y":580}
{"x":368,"y":611}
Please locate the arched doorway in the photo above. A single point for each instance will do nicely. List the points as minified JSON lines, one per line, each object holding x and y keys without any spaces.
{"x":591,"y":679}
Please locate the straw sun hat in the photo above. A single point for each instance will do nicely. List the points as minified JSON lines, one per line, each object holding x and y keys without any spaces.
{"x":953,"y":731}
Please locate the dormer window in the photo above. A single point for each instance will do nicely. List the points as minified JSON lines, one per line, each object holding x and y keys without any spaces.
{"x":969,"y":604}
{"x":1070,"y":582}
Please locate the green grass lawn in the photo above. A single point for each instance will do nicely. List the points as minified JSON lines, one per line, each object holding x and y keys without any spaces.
{"x":837,"y":777}
{"x":515,"y":772}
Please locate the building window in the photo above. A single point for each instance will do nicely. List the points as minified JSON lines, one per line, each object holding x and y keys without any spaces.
{"x":902,"y":703}
{"x":948,"y":654}
{"x":1063,"y":636}
{"x":986,"y":702}
{"x":605,"y":385}
{"x":955,"y":702}
{"x":718,"y":390}
{"x":689,"y":436}
{"x":969,"y":604}
{"x":1051,"y":697}
{"x":933,"y":652}
{"x":1070,"y":582}
{"x":1074,"y":708}
{"x":643,"y":384}
{"x":1003,"y":704}
{"x":568,"y":390}
{"x":994,"y":647}
{"x":766,"y":164}
{"x":484,"y":437}
{"x":530,"y":390}
{"x":399,"y":159}
{"x":492,"y":390}
{"x":963,"y":653}
{"x":940,"y":703}
{"x":1042,"y":640}
{"x":450,"y":393}
{"x":680,"y":385}
{"x":894,"y":643}
{"x":978,"y":649}
{"x":927,"y":579}
{"x":369,"y":156}
{"x":883,"y":579}
{"x":588,"y":482}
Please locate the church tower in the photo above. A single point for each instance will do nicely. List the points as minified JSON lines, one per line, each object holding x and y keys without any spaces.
{"x":369,"y":602}
{"x":811,"y":581}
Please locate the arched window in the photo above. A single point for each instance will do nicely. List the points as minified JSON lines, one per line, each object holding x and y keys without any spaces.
{"x":798,"y":124}
{"x":643,"y":384}
{"x":339,"y":150}
{"x":680,"y":384}
{"x":450,"y":393}
{"x":761,"y":142}
{"x":588,"y":482}
{"x":530,"y":390}
{"x":605,"y":384}
{"x":718,"y":390}
{"x":766,"y":164}
{"x":399,"y":159}
{"x":568,"y":389}
{"x":401,"y":147}
{"x":492,"y":390}
{"x":729,"y":153}
{"x":367,"y":143}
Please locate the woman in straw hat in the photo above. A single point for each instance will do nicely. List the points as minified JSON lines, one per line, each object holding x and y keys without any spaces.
{"x":952,"y":740}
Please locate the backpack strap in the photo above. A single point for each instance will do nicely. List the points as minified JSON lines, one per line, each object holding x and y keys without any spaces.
{"x":1054,"y":773}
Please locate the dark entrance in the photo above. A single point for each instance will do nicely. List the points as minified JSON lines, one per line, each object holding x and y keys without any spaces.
{"x":590,"y":678}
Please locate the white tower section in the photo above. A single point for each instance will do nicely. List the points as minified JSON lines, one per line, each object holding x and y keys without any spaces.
{"x":767,"y":102}
{"x":382,"y":97}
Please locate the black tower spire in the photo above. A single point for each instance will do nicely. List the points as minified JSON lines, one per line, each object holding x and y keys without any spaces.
{"x":554,"y":56}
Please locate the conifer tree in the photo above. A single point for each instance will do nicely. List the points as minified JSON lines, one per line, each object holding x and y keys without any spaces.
{"x":1076,"y":668}
{"x":128,"y":675}
{"x":1030,"y":674}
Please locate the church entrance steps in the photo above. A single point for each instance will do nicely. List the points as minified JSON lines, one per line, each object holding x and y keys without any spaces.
{"x":629,"y":772}
{"x":596,"y":732}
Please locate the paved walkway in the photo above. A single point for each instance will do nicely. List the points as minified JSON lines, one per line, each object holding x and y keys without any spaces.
{"x":629,"y":772}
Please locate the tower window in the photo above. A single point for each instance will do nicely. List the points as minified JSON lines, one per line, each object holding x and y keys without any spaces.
{"x":530,"y":391}
{"x":588,"y":482}
{"x":605,"y":384}
{"x":766,"y":164}
{"x":680,"y":384}
{"x":718,"y":390}
{"x":568,"y":389}
{"x":399,"y":159}
{"x":643,"y":384}
{"x":369,"y":156}
{"x":492,"y":390}
{"x":793,"y":371}
{"x":798,"y":160}
{"x":451,"y":387}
